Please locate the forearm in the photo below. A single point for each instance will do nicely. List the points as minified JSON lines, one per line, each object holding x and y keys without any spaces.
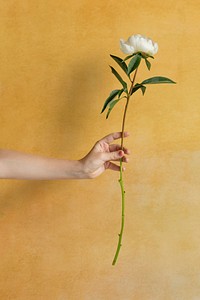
{"x":18,"y":165}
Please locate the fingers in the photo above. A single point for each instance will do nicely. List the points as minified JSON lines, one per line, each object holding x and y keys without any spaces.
{"x":114,"y":167}
{"x":113,"y":136}
{"x":124,"y":159}
{"x":115,"y":147}
{"x":115,"y":155}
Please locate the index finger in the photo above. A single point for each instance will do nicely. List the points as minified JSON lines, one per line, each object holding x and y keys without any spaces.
{"x":113,"y":136}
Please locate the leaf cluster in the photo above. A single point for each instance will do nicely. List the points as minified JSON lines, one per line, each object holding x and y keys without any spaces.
{"x":134,"y":62}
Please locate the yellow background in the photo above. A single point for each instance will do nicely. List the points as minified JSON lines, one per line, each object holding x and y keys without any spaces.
{"x":58,"y":238}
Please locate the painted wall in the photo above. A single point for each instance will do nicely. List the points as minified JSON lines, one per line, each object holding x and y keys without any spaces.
{"x":58,"y":238}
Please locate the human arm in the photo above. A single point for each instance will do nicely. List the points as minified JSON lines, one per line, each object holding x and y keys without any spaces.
{"x":18,"y":165}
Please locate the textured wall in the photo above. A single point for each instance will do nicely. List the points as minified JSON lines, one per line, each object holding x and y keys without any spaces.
{"x":58,"y":238}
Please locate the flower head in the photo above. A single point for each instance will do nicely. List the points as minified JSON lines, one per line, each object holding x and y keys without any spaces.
{"x":138,"y":43}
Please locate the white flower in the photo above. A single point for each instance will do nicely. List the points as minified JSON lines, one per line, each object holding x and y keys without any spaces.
{"x":138,"y":43}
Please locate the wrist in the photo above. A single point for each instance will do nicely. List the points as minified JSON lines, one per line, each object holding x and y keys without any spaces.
{"x":78,"y":170}
{"x":84,"y":171}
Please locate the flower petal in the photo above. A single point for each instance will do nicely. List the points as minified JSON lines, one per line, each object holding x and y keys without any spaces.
{"x":155,"y":48}
{"x":126,"y":48}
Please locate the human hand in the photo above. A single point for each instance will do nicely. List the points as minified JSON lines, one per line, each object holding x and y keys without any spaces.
{"x":102,"y":154}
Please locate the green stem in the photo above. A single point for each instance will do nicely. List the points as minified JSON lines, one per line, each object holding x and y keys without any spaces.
{"x":121,"y":174}
{"x":122,"y":219}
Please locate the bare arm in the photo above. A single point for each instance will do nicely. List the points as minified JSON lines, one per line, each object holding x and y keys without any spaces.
{"x":18,"y":165}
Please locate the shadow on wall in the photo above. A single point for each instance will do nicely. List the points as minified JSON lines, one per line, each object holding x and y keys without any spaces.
{"x":79,"y":101}
{"x":75,"y":99}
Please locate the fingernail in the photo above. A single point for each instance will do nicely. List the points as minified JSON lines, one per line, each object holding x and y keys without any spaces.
{"x":120,"y":153}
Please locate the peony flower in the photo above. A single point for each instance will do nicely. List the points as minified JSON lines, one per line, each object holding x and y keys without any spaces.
{"x":138,"y":43}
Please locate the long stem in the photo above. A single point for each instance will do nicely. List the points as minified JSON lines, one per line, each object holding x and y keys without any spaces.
{"x":121,"y":182}
{"x":122,"y":218}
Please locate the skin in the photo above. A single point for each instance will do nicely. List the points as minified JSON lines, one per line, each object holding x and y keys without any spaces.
{"x":19,"y":165}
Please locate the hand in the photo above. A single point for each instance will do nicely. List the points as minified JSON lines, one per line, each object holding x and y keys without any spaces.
{"x":102,"y":154}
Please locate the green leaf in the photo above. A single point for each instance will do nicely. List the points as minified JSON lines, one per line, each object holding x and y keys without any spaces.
{"x":143,"y":89}
{"x":112,"y":95}
{"x":119,"y":77}
{"x":121,"y":63}
{"x":157,"y":79}
{"x":111,"y":106}
{"x":138,"y":86}
{"x":148,"y":64}
{"x":134,"y":63}
{"x":121,"y":91}
{"x":129,"y":56}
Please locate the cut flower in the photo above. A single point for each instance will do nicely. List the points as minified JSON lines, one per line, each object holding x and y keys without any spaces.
{"x":138,"y":43}
{"x":139,"y":49}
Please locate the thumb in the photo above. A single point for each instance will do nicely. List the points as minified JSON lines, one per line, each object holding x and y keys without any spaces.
{"x":115,"y":155}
